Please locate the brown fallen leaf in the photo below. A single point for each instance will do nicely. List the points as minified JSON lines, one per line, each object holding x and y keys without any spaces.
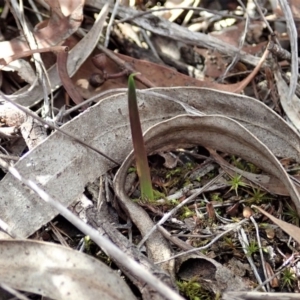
{"x":159,"y":75}
{"x":59,"y":27}
{"x":288,"y":228}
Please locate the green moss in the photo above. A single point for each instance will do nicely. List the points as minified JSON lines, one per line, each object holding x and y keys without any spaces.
{"x":193,"y":290}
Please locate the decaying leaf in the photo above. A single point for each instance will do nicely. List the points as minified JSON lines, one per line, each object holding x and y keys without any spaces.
{"x":290,"y":106}
{"x":58,"y":272}
{"x":288,"y":228}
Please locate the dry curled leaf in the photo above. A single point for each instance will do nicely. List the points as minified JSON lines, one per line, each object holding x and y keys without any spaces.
{"x":58,"y":272}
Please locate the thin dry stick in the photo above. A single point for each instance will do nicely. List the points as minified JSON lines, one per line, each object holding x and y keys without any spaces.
{"x":191,"y":8}
{"x":266,"y":22}
{"x":260,"y":251}
{"x":284,"y":266}
{"x":35,"y":9}
{"x":42,"y":74}
{"x":94,"y":99}
{"x":244,"y":242}
{"x":110,"y":24}
{"x":13,"y":292}
{"x":104,"y":243}
{"x":241,"y":42}
{"x":246,"y":81}
{"x":234,"y":227}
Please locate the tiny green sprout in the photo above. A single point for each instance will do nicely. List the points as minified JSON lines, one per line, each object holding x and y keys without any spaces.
{"x":186,"y":213}
{"x":131,"y":170}
{"x":257,"y":196}
{"x":230,"y":243}
{"x":288,"y":278}
{"x":252,"y":168}
{"x":252,"y":248}
{"x":237,"y":162}
{"x":292,"y":215}
{"x":236,"y":183}
{"x":216,"y":197}
{"x":87,"y":243}
{"x":142,"y":166}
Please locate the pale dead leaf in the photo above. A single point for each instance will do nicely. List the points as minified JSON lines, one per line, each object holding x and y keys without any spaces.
{"x":290,"y":106}
{"x":63,"y":167}
{"x":288,"y":228}
{"x":58,"y":272}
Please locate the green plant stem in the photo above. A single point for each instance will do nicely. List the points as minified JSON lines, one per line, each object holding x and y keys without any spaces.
{"x":142,"y":166}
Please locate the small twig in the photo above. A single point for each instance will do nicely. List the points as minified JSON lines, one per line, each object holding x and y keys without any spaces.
{"x":13,"y":291}
{"x":215,"y":12}
{"x":42,"y":74}
{"x":121,"y":63}
{"x":111,"y":21}
{"x":190,"y":13}
{"x":279,"y":51}
{"x":9,"y":59}
{"x":11,"y":157}
{"x":265,"y":21}
{"x":234,"y":227}
{"x":284,"y":266}
{"x":94,"y":99}
{"x":246,"y":81}
{"x":260,"y":251}
{"x":35,"y":9}
{"x":241,"y":43}
{"x":149,"y":43}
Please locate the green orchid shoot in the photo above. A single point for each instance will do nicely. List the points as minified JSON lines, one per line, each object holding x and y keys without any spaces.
{"x":142,"y":166}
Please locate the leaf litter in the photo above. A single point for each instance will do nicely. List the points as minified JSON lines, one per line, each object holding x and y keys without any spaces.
{"x":220,"y":128}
